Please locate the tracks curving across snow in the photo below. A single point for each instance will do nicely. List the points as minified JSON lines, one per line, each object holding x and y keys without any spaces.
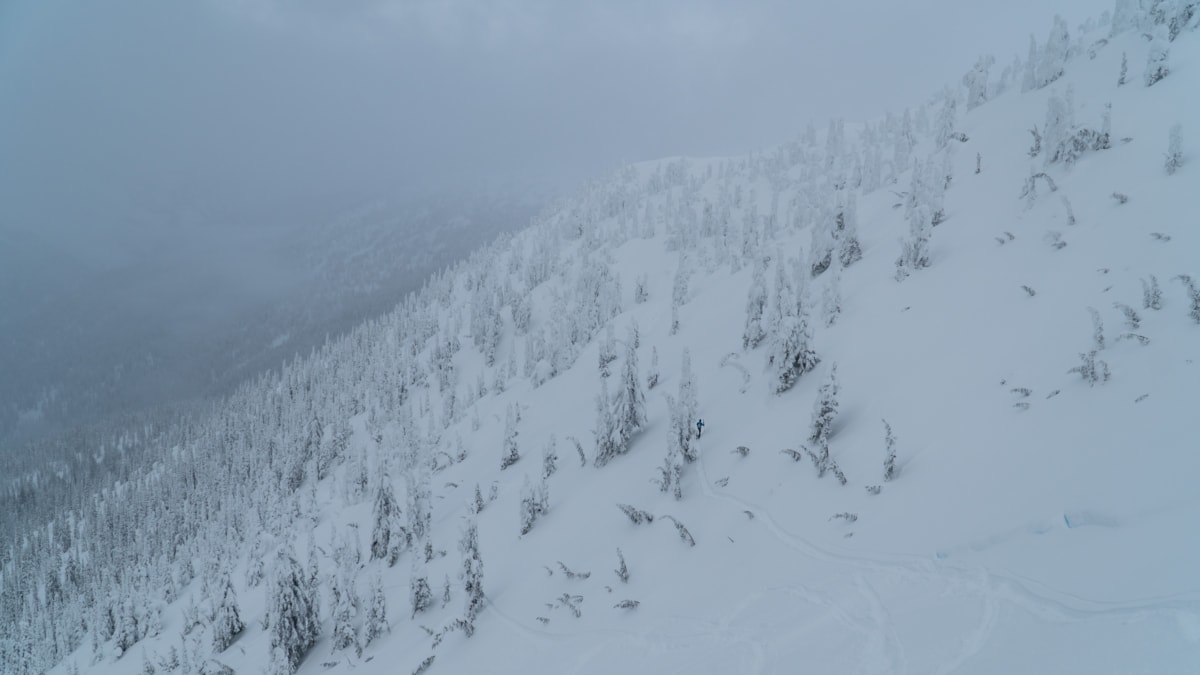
{"x":992,"y":588}
{"x":728,"y":361}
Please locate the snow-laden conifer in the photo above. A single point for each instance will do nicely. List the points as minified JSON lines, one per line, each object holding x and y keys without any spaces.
{"x":831,"y":296}
{"x":849,"y":248}
{"x":976,"y":82}
{"x":346,"y":607}
{"x":510,"y":455}
{"x":384,"y":516}
{"x":420,"y":595}
{"x":889,"y":449}
{"x":1157,"y":66}
{"x":534,"y":503}
{"x":295,"y":623}
{"x":472,"y":575}
{"x":825,"y":410}
{"x":375,"y":623}
{"x":756,"y":302}
{"x":1053,"y":58}
{"x":792,"y":354}
{"x":227,"y":622}
{"x":549,"y":457}
{"x":1029,"y":81}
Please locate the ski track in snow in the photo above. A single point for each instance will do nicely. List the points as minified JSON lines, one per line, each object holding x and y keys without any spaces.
{"x":727,"y":361}
{"x":991,"y":587}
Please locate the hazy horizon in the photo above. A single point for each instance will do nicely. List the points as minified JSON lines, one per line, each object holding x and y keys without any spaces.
{"x":156,"y":155}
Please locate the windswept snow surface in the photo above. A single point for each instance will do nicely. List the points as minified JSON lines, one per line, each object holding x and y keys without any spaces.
{"x":1058,"y":537}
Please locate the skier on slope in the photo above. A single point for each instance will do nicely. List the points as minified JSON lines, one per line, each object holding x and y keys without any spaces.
{"x":699,"y":428}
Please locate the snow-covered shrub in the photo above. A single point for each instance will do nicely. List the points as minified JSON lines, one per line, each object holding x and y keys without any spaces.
{"x":1132,"y":319}
{"x":1097,"y":329}
{"x":682,"y":531}
{"x":889,"y":447}
{"x":1151,"y":294}
{"x":1091,"y":369}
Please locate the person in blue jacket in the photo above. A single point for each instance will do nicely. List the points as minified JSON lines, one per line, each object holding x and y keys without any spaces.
{"x":699,"y":428}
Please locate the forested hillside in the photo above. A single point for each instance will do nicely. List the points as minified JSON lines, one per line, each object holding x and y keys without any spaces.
{"x":944,"y":361}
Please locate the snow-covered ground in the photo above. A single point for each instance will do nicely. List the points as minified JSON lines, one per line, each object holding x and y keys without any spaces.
{"x":1036,"y":524}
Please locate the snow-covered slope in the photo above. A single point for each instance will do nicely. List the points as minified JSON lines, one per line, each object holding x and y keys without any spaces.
{"x":1037,"y":522}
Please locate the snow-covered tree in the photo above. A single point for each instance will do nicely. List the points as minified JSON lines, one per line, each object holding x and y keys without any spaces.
{"x":375,"y":623}
{"x":1193,"y":291}
{"x":679,"y":292}
{"x":821,"y":248}
{"x":535,"y":502}
{"x":976,"y":82}
{"x":1030,"y":80}
{"x":1124,"y":17}
{"x":472,"y":575}
{"x":825,"y":408}
{"x":849,"y":248}
{"x":125,"y":634}
{"x":550,"y":457}
{"x":420,"y":595}
{"x":608,"y":350}
{"x":688,"y":406}
{"x":1157,"y":66}
{"x":671,"y":472}
{"x":1097,"y":328}
{"x":903,"y":146}
{"x":754,"y":333}
{"x":629,"y":403}
{"x":1057,"y":126}
{"x":510,"y":454}
{"x":295,"y":623}
{"x":923,"y":202}
{"x":652,"y":372}
{"x":1174,"y":149}
{"x":1053,"y":59}
{"x":384,"y":516}
{"x":831,"y":298}
{"x":345,"y":610}
{"x":791,"y":353}
{"x":1123,"y":77}
{"x":889,"y":447}
{"x":227,"y":621}
{"x":946,"y":120}
{"x":420,"y":507}
{"x":607,"y":438}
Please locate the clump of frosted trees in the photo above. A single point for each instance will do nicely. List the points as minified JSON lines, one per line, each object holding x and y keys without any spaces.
{"x":619,"y":418}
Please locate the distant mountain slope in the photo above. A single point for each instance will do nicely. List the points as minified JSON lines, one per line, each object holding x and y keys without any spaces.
{"x":85,"y":340}
{"x":477,"y":462}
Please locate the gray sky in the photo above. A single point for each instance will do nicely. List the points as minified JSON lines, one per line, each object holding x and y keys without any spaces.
{"x":128,"y":105}
{"x":151,"y":151}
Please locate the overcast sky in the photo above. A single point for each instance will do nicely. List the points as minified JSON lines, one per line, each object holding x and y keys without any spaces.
{"x":127,"y":106}
{"x":156,"y":141}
